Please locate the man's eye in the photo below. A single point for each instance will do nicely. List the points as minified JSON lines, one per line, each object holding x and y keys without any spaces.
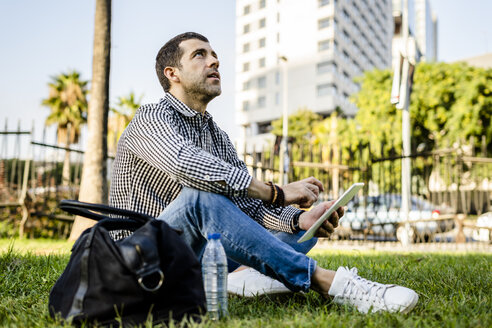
{"x":199,"y":54}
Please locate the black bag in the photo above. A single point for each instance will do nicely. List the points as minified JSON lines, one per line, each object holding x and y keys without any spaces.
{"x":151,"y":272}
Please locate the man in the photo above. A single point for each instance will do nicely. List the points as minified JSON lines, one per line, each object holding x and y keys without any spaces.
{"x":174,"y":163}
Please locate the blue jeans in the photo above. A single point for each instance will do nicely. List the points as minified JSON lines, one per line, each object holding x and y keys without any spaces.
{"x":198,"y":213}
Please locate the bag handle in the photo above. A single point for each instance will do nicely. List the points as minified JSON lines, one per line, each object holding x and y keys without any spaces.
{"x":89,"y":210}
{"x":111,"y":224}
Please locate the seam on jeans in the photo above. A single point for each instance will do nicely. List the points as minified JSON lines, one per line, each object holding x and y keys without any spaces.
{"x":303,"y":285}
{"x":307,"y":283}
{"x":241,"y":249}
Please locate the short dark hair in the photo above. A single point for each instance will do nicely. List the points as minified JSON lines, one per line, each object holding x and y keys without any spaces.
{"x":170,"y":55}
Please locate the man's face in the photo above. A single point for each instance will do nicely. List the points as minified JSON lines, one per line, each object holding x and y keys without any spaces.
{"x":199,"y":74}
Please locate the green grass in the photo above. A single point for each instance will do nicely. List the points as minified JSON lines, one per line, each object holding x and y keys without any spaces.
{"x":455,"y":290}
{"x":36,"y":246}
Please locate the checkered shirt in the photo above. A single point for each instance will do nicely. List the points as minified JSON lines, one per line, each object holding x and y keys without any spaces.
{"x":168,"y":145}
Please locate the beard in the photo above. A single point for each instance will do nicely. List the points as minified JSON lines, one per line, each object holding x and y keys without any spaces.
{"x":200,"y":88}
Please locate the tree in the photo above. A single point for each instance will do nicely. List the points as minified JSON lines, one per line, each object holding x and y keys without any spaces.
{"x":93,"y":187}
{"x":377,"y":121}
{"x":449,"y":103}
{"x":122,"y":114}
{"x":300,"y":125}
{"x":67,"y":100}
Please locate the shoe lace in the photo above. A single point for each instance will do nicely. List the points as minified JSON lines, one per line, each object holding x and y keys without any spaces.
{"x":357,"y":287}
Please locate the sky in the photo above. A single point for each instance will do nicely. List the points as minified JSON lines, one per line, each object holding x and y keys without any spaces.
{"x":40,"y":39}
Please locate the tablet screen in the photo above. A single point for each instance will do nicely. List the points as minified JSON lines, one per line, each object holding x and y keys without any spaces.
{"x":342,"y":201}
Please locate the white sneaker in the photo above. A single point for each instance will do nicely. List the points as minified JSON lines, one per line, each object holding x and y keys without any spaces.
{"x":250,"y":283}
{"x":349,"y":288}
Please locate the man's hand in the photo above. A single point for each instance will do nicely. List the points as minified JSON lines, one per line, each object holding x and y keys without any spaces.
{"x":307,"y":219}
{"x":303,"y":193}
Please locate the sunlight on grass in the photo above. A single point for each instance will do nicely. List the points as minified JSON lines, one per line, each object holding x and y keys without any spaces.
{"x":35,"y":246}
{"x":454,"y":289}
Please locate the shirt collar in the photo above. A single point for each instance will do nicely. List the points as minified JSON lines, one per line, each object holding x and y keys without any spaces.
{"x":182,"y":108}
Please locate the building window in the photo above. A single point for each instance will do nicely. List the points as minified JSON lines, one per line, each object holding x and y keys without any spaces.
{"x":323,"y":23}
{"x":277,"y":98}
{"x":278,"y":17}
{"x":356,"y":46}
{"x":322,"y":3}
{"x":357,"y":66}
{"x":246,"y":47}
{"x":246,"y":9}
{"x":247,"y":85}
{"x":346,"y":56}
{"x":261,"y":102}
{"x":277,"y":78}
{"x":261,"y":62}
{"x":326,"y":67}
{"x":262,"y":82}
{"x":324,"y":45}
{"x":245,"y":67}
{"x":262,"y":4}
{"x":261,"y":43}
{"x":262,"y":23}
{"x":265,"y":127}
{"x":245,"y":105}
{"x":246,"y":29}
{"x":326,"y":89}
{"x":345,"y":15}
{"x":346,"y":36}
{"x":356,"y":8}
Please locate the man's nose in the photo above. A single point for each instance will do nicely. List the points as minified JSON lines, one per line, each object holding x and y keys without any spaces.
{"x":213,"y":62}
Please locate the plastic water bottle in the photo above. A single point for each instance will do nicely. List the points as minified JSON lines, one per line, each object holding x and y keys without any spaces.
{"x":214,"y":270}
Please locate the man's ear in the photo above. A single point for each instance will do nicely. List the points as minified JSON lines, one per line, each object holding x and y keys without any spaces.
{"x":170,"y":73}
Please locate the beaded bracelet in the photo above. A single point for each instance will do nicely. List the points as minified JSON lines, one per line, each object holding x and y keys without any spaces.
{"x":273,"y":192}
{"x":280,"y":201}
{"x":277,"y":195}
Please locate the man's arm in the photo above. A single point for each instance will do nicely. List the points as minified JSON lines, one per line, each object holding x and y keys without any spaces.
{"x":303,"y":193}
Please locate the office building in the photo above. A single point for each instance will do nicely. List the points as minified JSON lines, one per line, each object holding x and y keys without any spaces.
{"x":318,"y":46}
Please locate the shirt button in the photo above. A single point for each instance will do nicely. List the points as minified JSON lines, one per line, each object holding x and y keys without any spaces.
{"x":236,"y":186}
{"x":207,"y":177}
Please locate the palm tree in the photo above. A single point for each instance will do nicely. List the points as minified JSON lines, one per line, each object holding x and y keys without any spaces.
{"x":93,"y":185}
{"x":121,"y":116}
{"x":67,"y":100}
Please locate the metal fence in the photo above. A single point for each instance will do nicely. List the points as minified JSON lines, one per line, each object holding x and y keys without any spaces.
{"x":451,"y":191}
{"x":34,"y":176}
{"x":451,"y":188}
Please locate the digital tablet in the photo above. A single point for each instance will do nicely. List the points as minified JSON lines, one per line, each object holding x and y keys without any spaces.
{"x":342,"y":201}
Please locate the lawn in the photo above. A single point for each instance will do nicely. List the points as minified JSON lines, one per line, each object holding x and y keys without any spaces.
{"x":455,"y":290}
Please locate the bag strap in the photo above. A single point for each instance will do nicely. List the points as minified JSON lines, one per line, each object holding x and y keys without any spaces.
{"x":89,"y":210}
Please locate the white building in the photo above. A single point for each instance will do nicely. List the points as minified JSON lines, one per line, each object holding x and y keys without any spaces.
{"x":483,"y":61}
{"x":426,"y":30}
{"x":326,"y":43}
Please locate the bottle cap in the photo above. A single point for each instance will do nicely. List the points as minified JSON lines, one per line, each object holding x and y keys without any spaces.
{"x":214,"y":236}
